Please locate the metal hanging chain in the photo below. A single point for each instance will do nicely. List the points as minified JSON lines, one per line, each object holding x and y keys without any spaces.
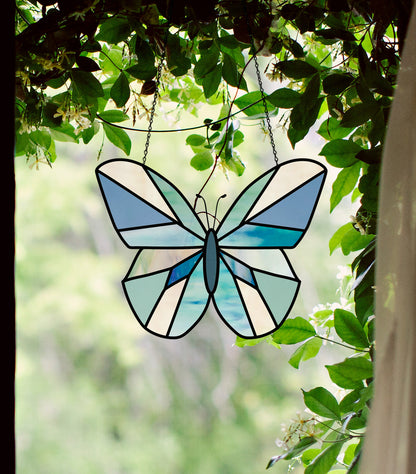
{"x":259,"y":80}
{"x":152,"y":111}
{"x":157,"y":82}
{"x":260,"y":83}
{"x":266,"y":110}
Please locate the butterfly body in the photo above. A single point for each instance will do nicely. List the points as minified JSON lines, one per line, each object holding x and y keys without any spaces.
{"x":182,"y":266}
{"x":211,"y":262}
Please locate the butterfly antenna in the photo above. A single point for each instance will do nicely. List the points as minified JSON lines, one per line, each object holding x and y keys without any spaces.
{"x":216,"y":208}
{"x":206,"y":209}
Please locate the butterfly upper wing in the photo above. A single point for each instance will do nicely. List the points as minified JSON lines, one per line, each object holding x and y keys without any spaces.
{"x":276,"y":209}
{"x":256,"y":290}
{"x":146,"y":210}
{"x":165,"y":290}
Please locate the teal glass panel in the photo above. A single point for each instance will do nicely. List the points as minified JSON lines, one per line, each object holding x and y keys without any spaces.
{"x":229,"y":305}
{"x":179,"y":205}
{"x":143,"y":293}
{"x":167,"y":236}
{"x":261,"y":236}
{"x":183,"y":269}
{"x":239,"y":270}
{"x":192,"y":305}
{"x":295,"y":209}
{"x":279,"y":293}
{"x":243,"y":204}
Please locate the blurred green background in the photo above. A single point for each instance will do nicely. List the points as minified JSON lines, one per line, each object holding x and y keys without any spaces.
{"x":95,"y":394}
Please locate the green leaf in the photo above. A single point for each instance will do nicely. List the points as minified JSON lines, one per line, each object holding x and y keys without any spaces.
{"x":344,"y":183}
{"x":64,"y":133}
{"x":349,"y":453}
{"x":211,"y":81}
{"x":336,"y":83}
{"x":88,"y":134}
{"x":234,"y":164}
{"x":311,"y":93}
{"x":293,"y":331}
{"x":241,"y":342}
{"x":195,"y":140}
{"x":229,"y":71}
{"x":356,"y":400}
{"x":351,"y":372}
{"x":306,"y":351}
{"x":320,"y":401}
{"x":178,"y":62}
{"x":202,"y":161}
{"x":207,"y":62}
{"x":114,"y":30}
{"x":87,"y":64}
{"x":248,"y":99}
{"x":118,"y":137}
{"x":368,"y":186}
{"x":114,"y":115}
{"x":145,"y":54}
{"x":323,"y":463}
{"x":301,"y":446}
{"x":142,"y":72}
{"x":41,"y":138}
{"x":353,"y":240}
{"x":336,"y":239}
{"x":349,"y":329}
{"x":284,"y":98}
{"x":228,"y":41}
{"x":296,"y":135}
{"x":340,"y":153}
{"x":305,"y":114}
{"x":359,"y":114}
{"x":309,"y":455}
{"x":86,"y":84}
{"x":296,"y":68}
{"x":371,"y":156}
{"x":331,"y":129}
{"x":120,"y":91}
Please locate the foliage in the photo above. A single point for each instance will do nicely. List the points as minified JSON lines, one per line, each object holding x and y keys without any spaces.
{"x":83,"y":68}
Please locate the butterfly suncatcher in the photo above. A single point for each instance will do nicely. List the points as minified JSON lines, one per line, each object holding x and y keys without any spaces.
{"x":182,"y":265}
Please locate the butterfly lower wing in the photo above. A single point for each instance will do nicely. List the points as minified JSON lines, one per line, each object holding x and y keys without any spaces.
{"x":256,"y":290}
{"x":165,"y":290}
{"x":275,"y":210}
{"x":146,"y":210}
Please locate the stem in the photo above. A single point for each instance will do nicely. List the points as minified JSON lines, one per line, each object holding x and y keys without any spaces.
{"x":341,"y":344}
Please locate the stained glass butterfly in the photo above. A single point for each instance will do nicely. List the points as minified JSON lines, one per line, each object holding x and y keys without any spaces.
{"x":182,"y":265}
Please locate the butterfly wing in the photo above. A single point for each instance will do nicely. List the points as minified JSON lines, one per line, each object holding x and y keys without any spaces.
{"x":256,"y":284}
{"x":256,"y":290}
{"x":146,"y":210}
{"x":276,"y":209}
{"x":166,"y":292}
{"x":165,"y":284}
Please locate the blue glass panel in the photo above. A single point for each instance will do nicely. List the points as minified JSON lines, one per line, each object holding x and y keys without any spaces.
{"x":261,"y":236}
{"x":167,"y":236}
{"x":239,"y":270}
{"x":143,"y":294}
{"x":127,"y":209}
{"x":279,"y":293}
{"x":295,"y":209}
{"x":183,"y":269}
{"x":192,"y":305}
{"x":179,"y":205}
{"x":229,"y":305}
{"x":242,"y":205}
